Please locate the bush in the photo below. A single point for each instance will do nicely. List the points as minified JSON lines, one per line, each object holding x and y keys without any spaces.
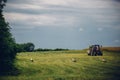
{"x":7,"y":45}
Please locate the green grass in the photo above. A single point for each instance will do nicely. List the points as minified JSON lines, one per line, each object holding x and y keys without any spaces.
{"x":58,"y":65}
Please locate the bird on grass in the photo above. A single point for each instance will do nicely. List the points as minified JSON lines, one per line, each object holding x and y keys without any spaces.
{"x":31,"y":60}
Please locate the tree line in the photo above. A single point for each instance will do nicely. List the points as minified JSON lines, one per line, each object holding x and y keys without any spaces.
{"x":30,"y":47}
{"x":57,"y":49}
{"x":25,"y":47}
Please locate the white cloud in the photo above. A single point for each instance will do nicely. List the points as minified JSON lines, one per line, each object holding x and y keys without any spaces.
{"x":40,"y":19}
{"x":55,"y":2}
{"x":25,"y":6}
{"x":100,"y":29}
{"x":116,"y":41}
{"x":76,"y":8}
{"x":81,"y":29}
{"x":16,"y":16}
{"x":68,"y":3}
{"x":80,"y":3}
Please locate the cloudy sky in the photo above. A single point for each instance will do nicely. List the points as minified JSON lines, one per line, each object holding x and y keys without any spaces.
{"x":73,"y":24}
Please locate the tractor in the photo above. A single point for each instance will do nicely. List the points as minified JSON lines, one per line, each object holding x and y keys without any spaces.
{"x":95,"y":50}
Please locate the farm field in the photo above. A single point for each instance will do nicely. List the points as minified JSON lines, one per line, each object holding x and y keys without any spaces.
{"x":58,"y":65}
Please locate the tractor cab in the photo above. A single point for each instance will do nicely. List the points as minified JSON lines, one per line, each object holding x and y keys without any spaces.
{"x":95,"y":50}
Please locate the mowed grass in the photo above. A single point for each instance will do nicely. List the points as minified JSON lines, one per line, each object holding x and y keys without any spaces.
{"x":58,"y":65}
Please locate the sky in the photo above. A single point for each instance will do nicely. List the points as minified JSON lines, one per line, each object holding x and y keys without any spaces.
{"x":71,"y":24}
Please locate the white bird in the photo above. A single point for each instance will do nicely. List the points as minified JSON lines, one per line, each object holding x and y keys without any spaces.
{"x":74,"y":60}
{"x":31,"y":60}
{"x":104,"y":60}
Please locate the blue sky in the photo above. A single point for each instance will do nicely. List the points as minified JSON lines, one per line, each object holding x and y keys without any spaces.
{"x":72,"y":24}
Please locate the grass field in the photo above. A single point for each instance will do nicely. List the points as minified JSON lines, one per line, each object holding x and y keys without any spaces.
{"x":114,"y":49}
{"x":58,"y":65}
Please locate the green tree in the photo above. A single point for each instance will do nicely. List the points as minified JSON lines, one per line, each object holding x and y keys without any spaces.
{"x":7,"y":44}
{"x":25,"y":47}
{"x":29,"y":47}
{"x":20,"y":47}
